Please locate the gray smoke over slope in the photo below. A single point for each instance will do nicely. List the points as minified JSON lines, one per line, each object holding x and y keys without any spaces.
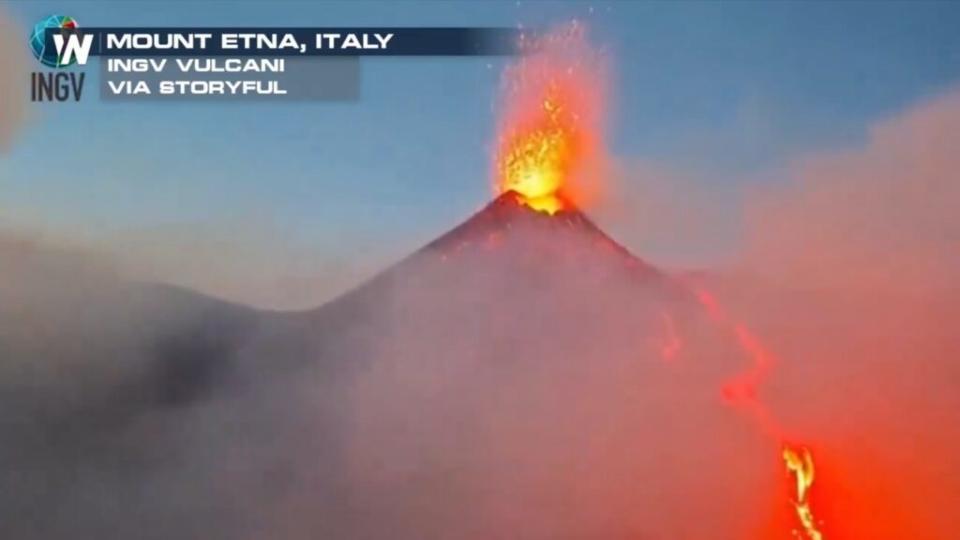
{"x":860,"y":255}
{"x":87,"y":361}
{"x":517,"y":389}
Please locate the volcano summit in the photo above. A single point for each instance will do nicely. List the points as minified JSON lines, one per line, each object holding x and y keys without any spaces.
{"x":527,"y":242}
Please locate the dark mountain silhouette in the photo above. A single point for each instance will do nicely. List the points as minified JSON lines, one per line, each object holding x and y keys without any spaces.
{"x":508,"y":234}
{"x":508,"y":212}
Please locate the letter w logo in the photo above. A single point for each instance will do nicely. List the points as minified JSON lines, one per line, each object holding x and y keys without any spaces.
{"x":74,"y":45}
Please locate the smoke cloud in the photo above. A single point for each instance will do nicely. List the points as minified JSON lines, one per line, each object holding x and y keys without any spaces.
{"x":858,"y":262}
{"x":847,"y":273}
{"x":250,"y":260}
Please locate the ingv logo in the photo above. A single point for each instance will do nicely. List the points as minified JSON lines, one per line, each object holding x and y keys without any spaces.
{"x":68,"y":47}
{"x":79,"y":45}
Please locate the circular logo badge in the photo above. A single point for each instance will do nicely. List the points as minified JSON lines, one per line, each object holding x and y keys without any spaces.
{"x":48,"y":55}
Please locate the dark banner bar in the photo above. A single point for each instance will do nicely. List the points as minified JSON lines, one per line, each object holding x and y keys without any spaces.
{"x":298,"y":41}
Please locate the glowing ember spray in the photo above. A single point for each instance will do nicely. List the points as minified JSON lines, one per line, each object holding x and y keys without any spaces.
{"x":537,"y":162}
{"x":550,"y":133}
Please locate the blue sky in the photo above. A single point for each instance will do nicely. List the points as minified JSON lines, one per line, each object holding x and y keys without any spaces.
{"x":723,"y":91}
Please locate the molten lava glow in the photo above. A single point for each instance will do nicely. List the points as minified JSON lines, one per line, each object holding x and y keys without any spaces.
{"x":799,"y":462}
{"x":550,"y":125}
{"x":744,"y":386}
{"x":743,"y":390}
{"x":537,"y":162}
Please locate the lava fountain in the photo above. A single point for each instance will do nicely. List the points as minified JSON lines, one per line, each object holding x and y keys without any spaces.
{"x":550,"y":132}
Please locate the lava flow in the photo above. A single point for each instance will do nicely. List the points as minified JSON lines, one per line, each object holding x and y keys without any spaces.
{"x":800,"y":463}
{"x":742,"y":390}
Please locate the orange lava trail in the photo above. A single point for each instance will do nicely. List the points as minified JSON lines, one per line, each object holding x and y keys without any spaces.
{"x":742,"y":390}
{"x":799,"y":462}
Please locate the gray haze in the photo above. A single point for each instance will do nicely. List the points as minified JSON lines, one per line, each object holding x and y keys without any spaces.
{"x":492,"y":386}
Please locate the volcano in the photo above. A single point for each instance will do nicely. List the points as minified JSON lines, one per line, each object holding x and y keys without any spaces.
{"x":509,"y":237}
{"x":508,"y":272}
{"x":500,"y":367}
{"x":565,"y":235}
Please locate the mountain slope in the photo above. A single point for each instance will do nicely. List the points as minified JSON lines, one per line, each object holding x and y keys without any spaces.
{"x":484,"y":378}
{"x":509,"y":237}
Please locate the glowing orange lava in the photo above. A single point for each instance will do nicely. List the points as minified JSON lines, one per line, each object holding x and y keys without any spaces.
{"x":743,"y":390}
{"x":537,"y":162}
{"x":550,"y":123}
{"x":799,"y":462}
